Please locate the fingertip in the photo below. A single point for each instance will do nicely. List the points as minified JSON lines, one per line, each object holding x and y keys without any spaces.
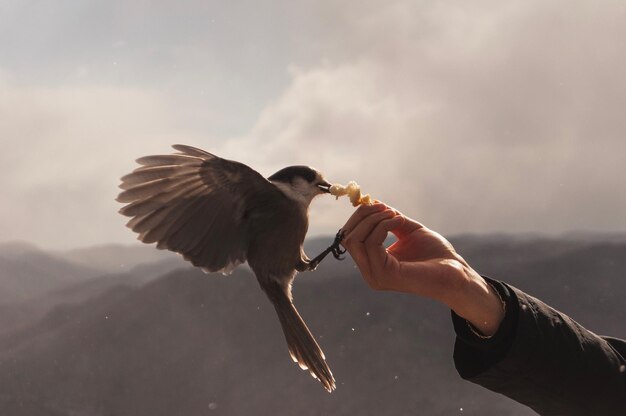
{"x":378,"y":206}
{"x":363,"y":213}
{"x":365,"y":210}
{"x":392,"y":224}
{"x":378,"y":235}
{"x":392,"y":208}
{"x":394,"y":221}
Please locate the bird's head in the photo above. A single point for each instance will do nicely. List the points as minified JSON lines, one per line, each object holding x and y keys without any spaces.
{"x":301,"y":183}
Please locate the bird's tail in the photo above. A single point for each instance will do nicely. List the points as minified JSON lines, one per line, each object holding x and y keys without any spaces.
{"x":303,"y":348}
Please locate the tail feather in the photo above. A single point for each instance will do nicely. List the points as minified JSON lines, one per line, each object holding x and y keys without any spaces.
{"x":303,"y":348}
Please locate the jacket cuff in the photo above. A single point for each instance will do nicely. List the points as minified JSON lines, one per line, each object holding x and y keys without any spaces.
{"x":474,"y":354}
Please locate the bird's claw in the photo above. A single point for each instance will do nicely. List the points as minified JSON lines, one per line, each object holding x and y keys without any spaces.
{"x":335,"y":248}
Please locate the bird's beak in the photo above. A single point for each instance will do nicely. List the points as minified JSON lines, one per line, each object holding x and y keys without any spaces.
{"x":324,"y":186}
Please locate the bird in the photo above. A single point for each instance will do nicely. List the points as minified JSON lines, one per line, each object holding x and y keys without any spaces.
{"x":219,"y":213}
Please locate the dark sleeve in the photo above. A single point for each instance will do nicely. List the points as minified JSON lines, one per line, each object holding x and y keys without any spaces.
{"x":542,"y":358}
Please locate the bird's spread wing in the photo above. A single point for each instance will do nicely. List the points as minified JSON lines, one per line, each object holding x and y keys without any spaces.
{"x":193,"y":203}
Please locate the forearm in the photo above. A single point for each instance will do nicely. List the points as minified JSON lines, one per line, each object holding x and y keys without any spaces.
{"x":542,"y":358}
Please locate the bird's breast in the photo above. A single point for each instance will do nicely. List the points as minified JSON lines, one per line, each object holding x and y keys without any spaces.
{"x":276,"y":241}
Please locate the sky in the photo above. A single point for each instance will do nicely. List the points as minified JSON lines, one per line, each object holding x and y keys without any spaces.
{"x":471,"y":117}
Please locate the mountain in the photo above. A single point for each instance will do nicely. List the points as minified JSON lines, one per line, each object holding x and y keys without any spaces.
{"x":27,"y":272}
{"x":187,"y":343}
{"x":32,"y":281}
{"x":17,"y":314}
{"x":582,"y":277}
{"x":113,"y":258}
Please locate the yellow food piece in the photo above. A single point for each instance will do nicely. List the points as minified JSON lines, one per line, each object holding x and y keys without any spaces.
{"x":353,"y":190}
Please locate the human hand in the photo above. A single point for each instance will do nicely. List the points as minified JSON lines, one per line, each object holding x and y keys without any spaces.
{"x":421,"y":262}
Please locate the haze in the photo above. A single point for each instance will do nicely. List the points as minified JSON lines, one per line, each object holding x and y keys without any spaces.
{"x":473,"y":118}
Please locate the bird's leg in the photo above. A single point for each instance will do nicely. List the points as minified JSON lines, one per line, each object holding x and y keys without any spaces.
{"x":334,"y":248}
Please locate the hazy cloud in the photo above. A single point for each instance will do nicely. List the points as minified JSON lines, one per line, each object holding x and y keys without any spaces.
{"x":63,"y":151}
{"x":505,"y":118}
{"x":490,"y":116}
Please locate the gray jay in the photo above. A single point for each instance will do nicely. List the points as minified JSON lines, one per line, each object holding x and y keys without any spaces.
{"x":219,"y":213}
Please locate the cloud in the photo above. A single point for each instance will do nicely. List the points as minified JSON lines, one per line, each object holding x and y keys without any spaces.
{"x":63,"y":152}
{"x":506,"y":117}
{"x":481,"y":117}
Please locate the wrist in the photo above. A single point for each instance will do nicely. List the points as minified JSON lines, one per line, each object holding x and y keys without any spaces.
{"x":479,"y":304}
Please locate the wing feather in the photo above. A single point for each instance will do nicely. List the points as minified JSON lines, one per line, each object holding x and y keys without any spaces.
{"x":170,"y":238}
{"x":148,"y":189}
{"x":148,"y":205}
{"x":193,"y":230}
{"x":194,"y":203}
{"x":170,"y":160}
{"x":151,"y":173}
{"x":193,"y":151}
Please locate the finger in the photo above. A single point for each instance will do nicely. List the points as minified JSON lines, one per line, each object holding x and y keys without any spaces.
{"x":359,"y":255}
{"x":360,"y":213}
{"x":356,"y":246}
{"x":379,"y":233}
{"x":363,"y":229}
{"x":406,"y":227}
{"x":375,"y":251}
{"x":353,"y":241}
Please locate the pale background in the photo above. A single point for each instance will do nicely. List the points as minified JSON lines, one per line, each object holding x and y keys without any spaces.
{"x":473,"y":117}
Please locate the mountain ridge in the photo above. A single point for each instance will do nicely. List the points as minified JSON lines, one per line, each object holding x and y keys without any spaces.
{"x":183,"y":342}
